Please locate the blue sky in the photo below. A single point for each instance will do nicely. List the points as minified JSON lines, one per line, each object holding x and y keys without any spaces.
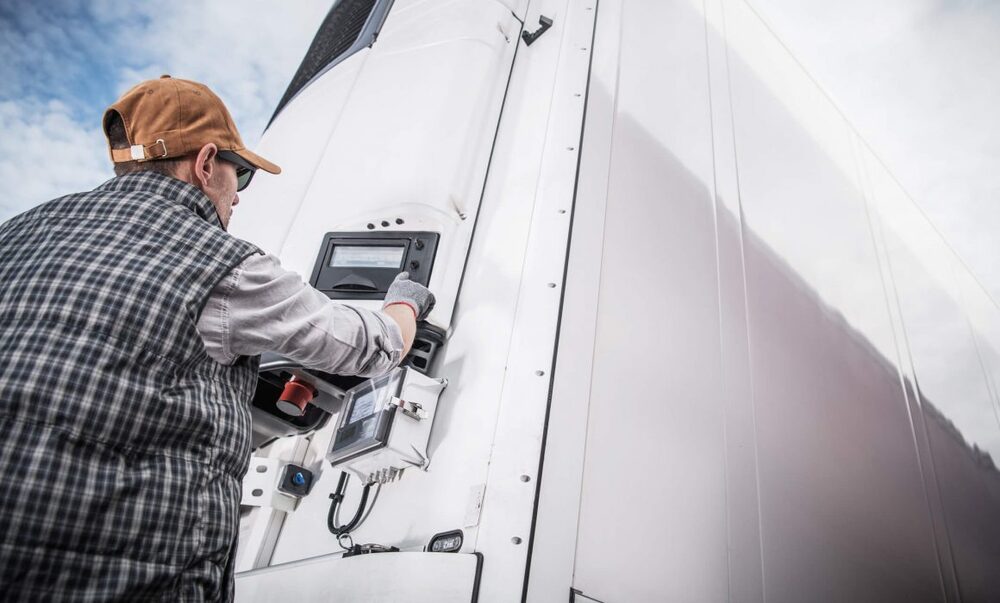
{"x":63,"y":61}
{"x":917,"y":78}
{"x":54,"y":50}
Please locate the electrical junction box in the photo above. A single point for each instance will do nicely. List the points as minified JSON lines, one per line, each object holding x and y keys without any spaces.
{"x":362,"y":265}
{"x":385,"y":424}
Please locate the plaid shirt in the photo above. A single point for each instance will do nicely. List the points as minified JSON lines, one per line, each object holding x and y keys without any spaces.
{"x":122,"y":444}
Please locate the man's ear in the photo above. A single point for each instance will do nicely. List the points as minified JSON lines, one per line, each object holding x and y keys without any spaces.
{"x":205,"y":165}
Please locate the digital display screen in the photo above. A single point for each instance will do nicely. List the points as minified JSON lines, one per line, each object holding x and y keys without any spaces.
{"x":364,"y":405}
{"x":367,"y":256}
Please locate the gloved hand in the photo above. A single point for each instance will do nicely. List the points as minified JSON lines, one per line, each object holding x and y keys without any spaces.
{"x":404,"y":291}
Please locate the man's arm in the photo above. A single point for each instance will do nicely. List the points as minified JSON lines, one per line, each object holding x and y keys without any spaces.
{"x":261,"y":307}
{"x":406,"y":320}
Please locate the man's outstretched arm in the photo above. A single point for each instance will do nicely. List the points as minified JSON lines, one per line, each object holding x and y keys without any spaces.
{"x":261,"y":306}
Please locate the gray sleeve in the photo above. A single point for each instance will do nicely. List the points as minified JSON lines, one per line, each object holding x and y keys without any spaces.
{"x":262,"y":307}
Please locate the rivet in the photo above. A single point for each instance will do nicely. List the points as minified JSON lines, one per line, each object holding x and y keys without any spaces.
{"x":570,"y":149}
{"x":552,"y":285}
{"x":371,"y":226}
{"x":525,"y":478}
{"x":399,"y":220}
{"x":516,"y":540}
{"x":385,"y":223}
{"x":540,"y":373}
{"x":261,"y":468}
{"x":562,"y":211}
{"x":257,"y":492}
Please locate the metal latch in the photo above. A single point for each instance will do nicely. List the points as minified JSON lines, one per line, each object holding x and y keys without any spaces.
{"x":411,"y":409}
{"x":530,"y":37}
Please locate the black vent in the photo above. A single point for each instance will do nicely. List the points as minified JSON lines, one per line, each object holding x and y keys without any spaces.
{"x":338,"y":37}
{"x":425,"y":347}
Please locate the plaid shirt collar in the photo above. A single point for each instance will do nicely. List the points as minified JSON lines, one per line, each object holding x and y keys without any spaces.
{"x":176,"y":190}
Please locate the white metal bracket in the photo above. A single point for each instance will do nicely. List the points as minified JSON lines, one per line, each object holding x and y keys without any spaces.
{"x":260,"y":485}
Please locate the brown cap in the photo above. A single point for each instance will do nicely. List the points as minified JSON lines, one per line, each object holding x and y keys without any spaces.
{"x":170,"y":117}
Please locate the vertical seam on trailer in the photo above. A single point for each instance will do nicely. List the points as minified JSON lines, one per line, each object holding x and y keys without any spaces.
{"x":718,"y":289}
{"x":475,"y":228}
{"x":934,"y":489}
{"x":524,"y":261}
{"x":559,"y":317}
{"x":600,"y":278}
{"x":878,"y":246}
{"x":746,"y":306}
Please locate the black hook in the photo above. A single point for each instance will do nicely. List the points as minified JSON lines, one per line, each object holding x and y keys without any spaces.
{"x":530,"y":37}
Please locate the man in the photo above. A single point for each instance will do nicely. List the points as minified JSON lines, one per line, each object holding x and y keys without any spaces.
{"x":131,"y":325}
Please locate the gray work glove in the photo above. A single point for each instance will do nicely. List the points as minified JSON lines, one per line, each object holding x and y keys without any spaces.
{"x":404,"y":291}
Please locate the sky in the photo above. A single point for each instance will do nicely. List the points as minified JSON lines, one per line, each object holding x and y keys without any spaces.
{"x":917,"y":78}
{"x":62,"y":62}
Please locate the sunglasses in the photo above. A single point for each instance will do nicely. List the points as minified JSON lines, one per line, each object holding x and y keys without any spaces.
{"x":244,"y":171}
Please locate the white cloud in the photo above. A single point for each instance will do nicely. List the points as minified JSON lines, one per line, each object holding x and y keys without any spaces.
{"x":246,"y":52}
{"x":52,"y":143}
{"x":46,"y":154}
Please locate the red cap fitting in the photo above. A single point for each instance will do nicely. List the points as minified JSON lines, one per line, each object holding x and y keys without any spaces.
{"x":294,"y":397}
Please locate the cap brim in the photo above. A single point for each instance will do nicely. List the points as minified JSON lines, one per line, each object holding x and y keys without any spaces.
{"x":258,"y":161}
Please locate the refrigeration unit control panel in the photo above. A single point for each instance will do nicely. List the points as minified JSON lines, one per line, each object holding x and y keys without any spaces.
{"x":385,"y":424}
{"x":362,"y":265}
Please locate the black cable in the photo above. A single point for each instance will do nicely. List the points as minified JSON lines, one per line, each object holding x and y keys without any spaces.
{"x":370,"y":507}
{"x":338,"y":497}
{"x":364,"y":518}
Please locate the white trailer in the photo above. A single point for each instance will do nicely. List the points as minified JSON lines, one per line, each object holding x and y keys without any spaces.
{"x":695,"y":342}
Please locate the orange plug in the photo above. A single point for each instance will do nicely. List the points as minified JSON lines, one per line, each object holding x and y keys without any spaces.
{"x":295,"y":396}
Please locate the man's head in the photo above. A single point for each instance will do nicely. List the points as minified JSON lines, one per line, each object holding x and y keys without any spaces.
{"x":182,"y":129}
